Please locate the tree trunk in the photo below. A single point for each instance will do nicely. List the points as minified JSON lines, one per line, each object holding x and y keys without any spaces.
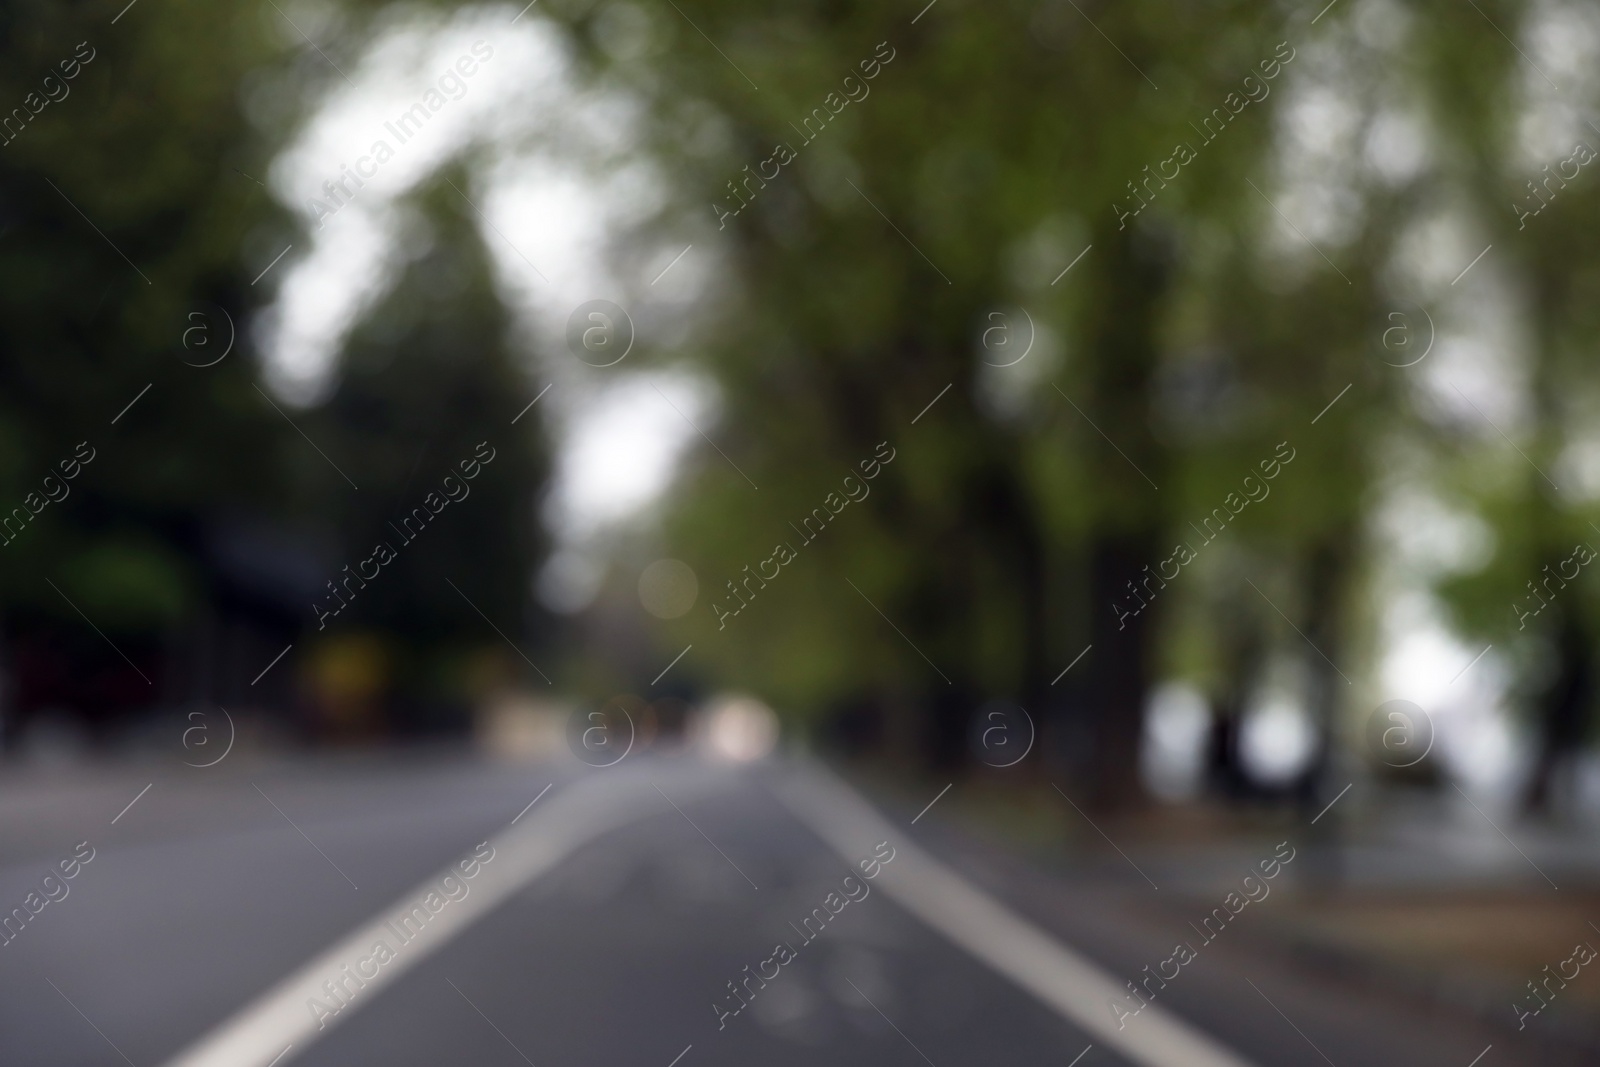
{"x":1127,"y":465}
{"x":1243,"y":651}
{"x":1563,"y":707}
{"x":1326,"y":571}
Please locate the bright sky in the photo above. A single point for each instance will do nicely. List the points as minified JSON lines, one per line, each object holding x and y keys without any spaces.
{"x":551,"y":179}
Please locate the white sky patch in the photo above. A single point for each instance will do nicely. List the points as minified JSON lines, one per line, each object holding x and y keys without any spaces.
{"x":1277,"y":738}
{"x":1397,"y":145}
{"x":1315,"y":193}
{"x":1422,"y":539}
{"x":1480,"y":352}
{"x":1477,"y":372}
{"x":1382,"y":25}
{"x":1562,"y":42}
{"x":617,"y":460}
{"x":550,"y":178}
{"x":353,"y":258}
{"x":1577,"y":470}
{"x":626,"y":448}
{"x":1476,"y":738}
{"x":1433,"y":538}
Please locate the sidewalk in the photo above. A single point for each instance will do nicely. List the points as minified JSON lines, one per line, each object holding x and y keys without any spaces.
{"x":1413,"y":919}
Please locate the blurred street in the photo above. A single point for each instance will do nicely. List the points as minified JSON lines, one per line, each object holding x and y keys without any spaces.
{"x":637,"y":534}
{"x":201,"y":897}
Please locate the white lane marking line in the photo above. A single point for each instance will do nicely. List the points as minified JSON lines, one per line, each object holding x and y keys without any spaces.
{"x":131,"y":803}
{"x":931,"y":803}
{"x":924,"y":11}
{"x":279,"y":1016}
{"x":679,"y":1056}
{"x":280,"y":1056}
{"x":1079,"y":1056}
{"x":1075,"y":988}
{"x":1481,"y":1055}
{"x":531,"y":803}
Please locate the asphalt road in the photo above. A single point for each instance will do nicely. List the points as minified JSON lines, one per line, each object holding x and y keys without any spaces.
{"x":603,"y":931}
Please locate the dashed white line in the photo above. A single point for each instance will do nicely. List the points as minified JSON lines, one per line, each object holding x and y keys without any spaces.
{"x":1073,"y":987}
{"x":581,"y":813}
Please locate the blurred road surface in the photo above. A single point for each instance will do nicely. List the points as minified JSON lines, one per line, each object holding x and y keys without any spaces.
{"x":609,"y":922}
